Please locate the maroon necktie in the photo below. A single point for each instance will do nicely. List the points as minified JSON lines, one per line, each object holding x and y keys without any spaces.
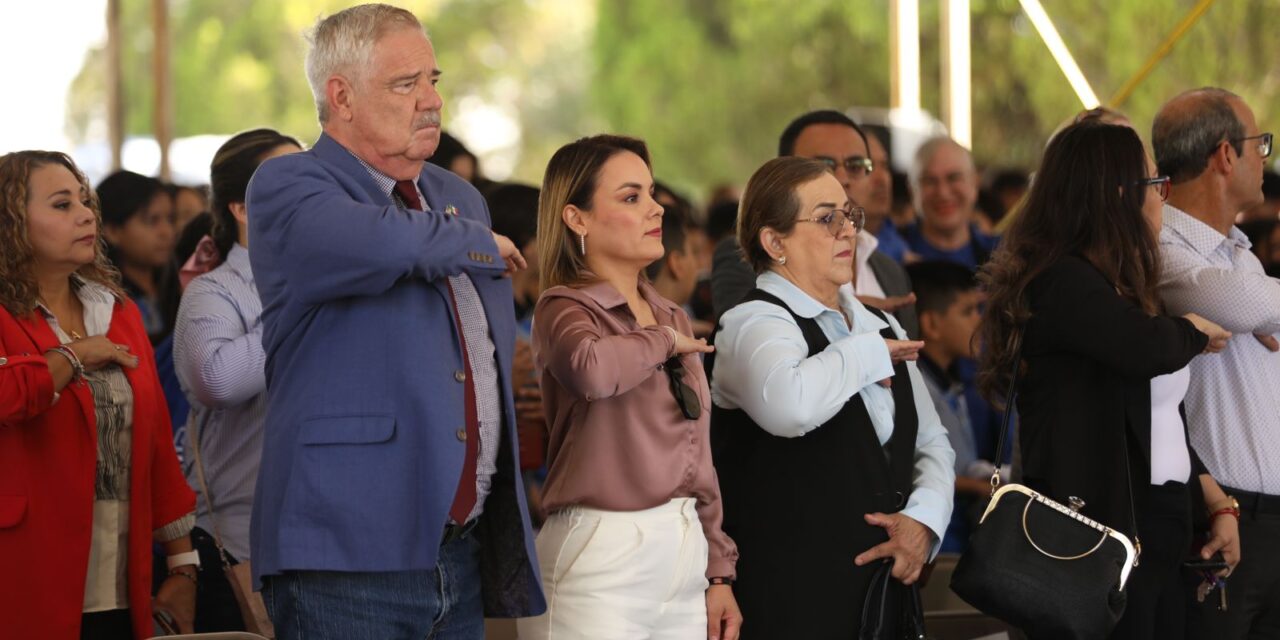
{"x":465,"y":498}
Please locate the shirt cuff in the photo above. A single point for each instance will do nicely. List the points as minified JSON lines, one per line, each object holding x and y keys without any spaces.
{"x":933,"y":511}
{"x":870,"y":353}
{"x":176,"y":529}
{"x":722,"y":568}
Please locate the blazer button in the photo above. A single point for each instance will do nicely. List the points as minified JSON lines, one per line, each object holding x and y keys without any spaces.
{"x":4,"y":361}
{"x":460,"y":376}
{"x":462,"y":435}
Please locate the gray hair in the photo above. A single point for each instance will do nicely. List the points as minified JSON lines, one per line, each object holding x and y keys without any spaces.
{"x":1183,"y":137}
{"x":342,"y":43}
{"x":926,"y":152}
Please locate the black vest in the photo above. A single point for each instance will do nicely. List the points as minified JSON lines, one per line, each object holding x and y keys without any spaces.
{"x":795,"y":506}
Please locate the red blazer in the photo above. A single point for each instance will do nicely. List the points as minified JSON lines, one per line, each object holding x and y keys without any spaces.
{"x":48,"y":455}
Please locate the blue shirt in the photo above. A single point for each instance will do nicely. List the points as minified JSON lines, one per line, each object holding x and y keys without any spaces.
{"x":891,"y":242}
{"x":972,"y":255}
{"x":763,"y":368}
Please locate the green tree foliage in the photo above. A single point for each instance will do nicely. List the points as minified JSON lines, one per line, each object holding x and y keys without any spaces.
{"x":708,"y":83}
{"x":238,"y":64}
{"x":711,"y":83}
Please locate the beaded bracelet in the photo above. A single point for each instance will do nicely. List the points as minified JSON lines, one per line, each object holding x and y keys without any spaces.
{"x":77,"y":367}
{"x":1232,"y":511}
{"x":189,"y":576}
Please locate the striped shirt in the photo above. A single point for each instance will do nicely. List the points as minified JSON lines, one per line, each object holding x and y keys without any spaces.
{"x":480,"y":353}
{"x":217,"y":351}
{"x":106,"y":583}
{"x":1233,"y":408}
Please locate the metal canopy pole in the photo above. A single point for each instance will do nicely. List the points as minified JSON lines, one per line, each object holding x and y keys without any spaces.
{"x":1163,"y":50}
{"x":957,"y":105}
{"x":115,"y":88}
{"x":904,"y":54}
{"x":1049,"y":34}
{"x":162,"y":118}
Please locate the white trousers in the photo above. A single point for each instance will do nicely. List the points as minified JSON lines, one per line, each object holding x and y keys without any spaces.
{"x":622,"y":575}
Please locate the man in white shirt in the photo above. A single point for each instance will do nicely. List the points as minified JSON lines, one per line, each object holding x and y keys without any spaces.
{"x":1208,"y":142}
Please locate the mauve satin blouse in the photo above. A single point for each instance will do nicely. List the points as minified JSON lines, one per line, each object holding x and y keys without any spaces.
{"x":618,"y":439}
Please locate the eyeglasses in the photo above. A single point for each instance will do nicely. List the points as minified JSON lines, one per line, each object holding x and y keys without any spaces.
{"x":855,"y":166}
{"x":1264,"y":143}
{"x":836,"y":220}
{"x":1161,"y":183}
{"x":685,"y":395}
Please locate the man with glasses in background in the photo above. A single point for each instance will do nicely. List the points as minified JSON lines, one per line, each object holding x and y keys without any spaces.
{"x":835,"y":140}
{"x":1209,"y":145}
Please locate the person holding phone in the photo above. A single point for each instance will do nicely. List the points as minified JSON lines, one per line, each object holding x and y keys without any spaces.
{"x":88,"y":474}
{"x":633,"y":545}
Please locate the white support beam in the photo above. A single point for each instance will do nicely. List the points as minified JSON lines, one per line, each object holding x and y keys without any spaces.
{"x":957,"y":103}
{"x":1049,"y":33}
{"x":904,"y":54}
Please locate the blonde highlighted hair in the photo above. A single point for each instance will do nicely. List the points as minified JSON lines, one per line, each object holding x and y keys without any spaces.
{"x":570,"y":179}
{"x":19,"y":291}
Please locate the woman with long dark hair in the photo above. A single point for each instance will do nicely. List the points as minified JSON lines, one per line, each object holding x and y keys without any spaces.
{"x":220,"y":363}
{"x":138,"y":223}
{"x":1102,"y":371}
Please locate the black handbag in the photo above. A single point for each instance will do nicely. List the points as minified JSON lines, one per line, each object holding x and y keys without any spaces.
{"x":884,"y":614}
{"x":1040,"y":565}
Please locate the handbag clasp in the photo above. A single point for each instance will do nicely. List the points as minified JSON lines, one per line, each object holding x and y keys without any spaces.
{"x":1075,"y":503}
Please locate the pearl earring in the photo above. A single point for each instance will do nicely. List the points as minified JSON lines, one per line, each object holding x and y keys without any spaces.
{"x":582,"y":243}
{"x":782,"y":260}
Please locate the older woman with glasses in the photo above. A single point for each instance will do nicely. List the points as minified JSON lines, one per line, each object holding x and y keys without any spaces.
{"x":832,"y":459}
{"x":633,"y":546}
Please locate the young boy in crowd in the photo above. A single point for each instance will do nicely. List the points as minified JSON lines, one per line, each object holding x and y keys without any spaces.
{"x":948,"y":303}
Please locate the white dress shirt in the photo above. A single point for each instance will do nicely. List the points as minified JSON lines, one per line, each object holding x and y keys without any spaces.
{"x":1170,"y":460}
{"x":865,"y":283}
{"x":1233,"y":402}
{"x":763,"y":367}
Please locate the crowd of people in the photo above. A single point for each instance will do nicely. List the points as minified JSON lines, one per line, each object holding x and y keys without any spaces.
{"x":407,"y":398}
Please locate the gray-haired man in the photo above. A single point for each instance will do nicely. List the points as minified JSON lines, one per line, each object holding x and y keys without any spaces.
{"x":389,"y":502}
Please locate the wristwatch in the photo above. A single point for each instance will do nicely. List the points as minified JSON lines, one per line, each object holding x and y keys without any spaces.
{"x":181,"y":559}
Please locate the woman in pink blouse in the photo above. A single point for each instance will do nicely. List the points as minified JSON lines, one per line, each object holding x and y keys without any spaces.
{"x":633,"y":546}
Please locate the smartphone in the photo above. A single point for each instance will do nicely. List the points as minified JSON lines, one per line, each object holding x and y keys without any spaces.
{"x":165,"y":622}
{"x":1212,"y":565}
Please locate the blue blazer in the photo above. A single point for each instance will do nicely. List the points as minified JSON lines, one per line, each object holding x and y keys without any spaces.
{"x":360,"y":459}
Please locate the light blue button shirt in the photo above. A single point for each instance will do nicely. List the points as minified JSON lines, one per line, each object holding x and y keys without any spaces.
{"x":217,"y":352}
{"x":763,"y":367}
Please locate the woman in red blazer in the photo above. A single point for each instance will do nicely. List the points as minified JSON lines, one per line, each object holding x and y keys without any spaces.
{"x":88,"y":474}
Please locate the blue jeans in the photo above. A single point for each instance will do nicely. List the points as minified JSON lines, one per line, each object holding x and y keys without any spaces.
{"x":438,"y":604}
